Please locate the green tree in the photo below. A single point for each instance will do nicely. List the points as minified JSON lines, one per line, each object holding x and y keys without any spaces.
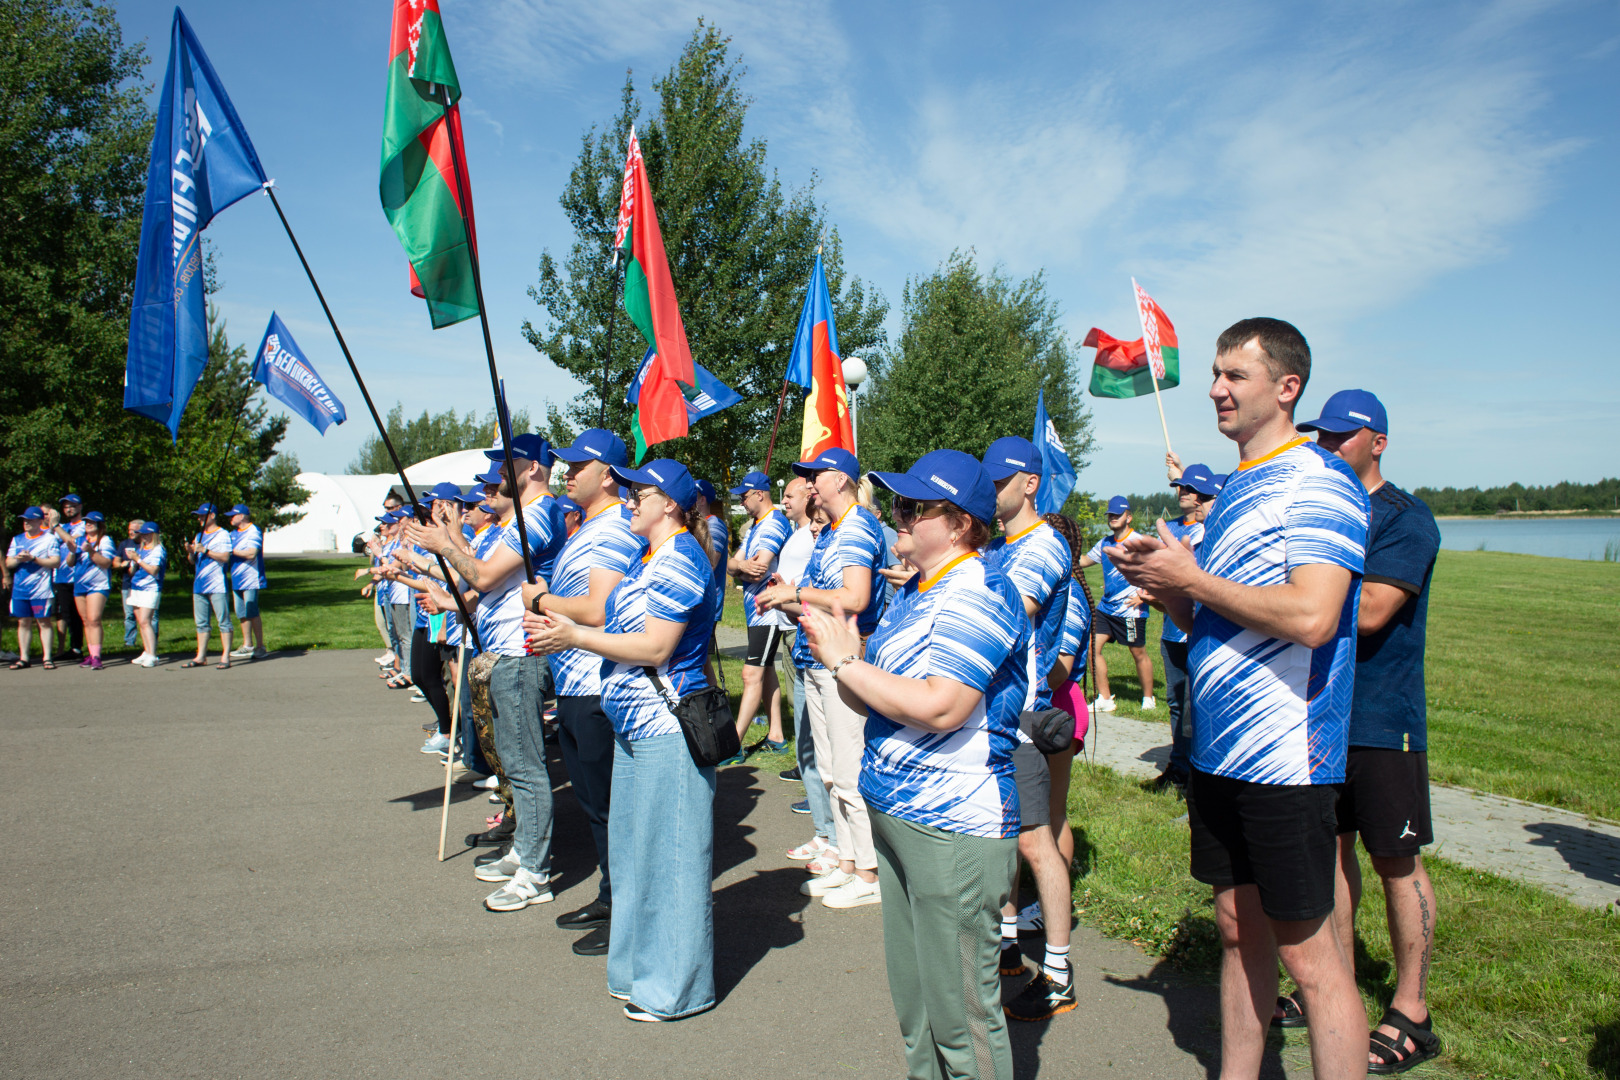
{"x":975,"y":349}
{"x":429,"y":436}
{"x":740,"y":251}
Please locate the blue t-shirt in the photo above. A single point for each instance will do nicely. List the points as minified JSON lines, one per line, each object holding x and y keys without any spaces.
{"x":247,"y":571}
{"x":500,"y":606}
{"x":1266,"y":710}
{"x":210,"y":576}
{"x":1389,"y":709}
{"x":766,"y":534}
{"x":31,"y":581}
{"x":967,"y":624}
{"x":1040,"y":566}
{"x":546,"y":533}
{"x":1118,"y":595}
{"x":413,"y":596}
{"x":87,"y":576}
{"x":855,"y":539}
{"x":603,"y":541}
{"x":676,"y":583}
{"x":1076,"y":638}
{"x":720,"y":542}
{"x":1194,"y":534}
{"x":66,"y":572}
{"x":142,"y":581}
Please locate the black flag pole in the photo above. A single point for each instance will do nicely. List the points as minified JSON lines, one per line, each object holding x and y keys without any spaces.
{"x":489,"y":344}
{"x":382,"y":431}
{"x":612,"y":320}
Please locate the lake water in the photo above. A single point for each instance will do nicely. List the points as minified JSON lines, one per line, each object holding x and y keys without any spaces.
{"x":1563,"y":538}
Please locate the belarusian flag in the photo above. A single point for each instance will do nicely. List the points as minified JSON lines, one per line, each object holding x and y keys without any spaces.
{"x":419,"y":186}
{"x":1122,"y":367}
{"x":649,"y":299}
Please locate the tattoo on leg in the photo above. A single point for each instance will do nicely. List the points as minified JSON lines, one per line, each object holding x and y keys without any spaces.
{"x":1428,"y":942}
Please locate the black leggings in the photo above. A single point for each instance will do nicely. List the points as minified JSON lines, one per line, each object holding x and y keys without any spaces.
{"x":427,"y":672}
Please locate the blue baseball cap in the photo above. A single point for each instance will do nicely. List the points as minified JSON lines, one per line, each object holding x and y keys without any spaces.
{"x":386,"y":517}
{"x":469,"y":498}
{"x":945,"y":474}
{"x":706,"y":490}
{"x":488,"y":509}
{"x":445,"y":491}
{"x":240,"y":508}
{"x":596,"y":444}
{"x":95,"y":515}
{"x":667,"y":475}
{"x":149,"y":528}
{"x":205,"y":508}
{"x":1200,"y":479}
{"x":528,"y":446}
{"x":836,"y":458}
{"x":1011,"y":455}
{"x":70,"y":497}
{"x":1220,"y":480}
{"x":754,"y":481}
{"x":1119,"y":504}
{"x":33,"y":513}
{"x":1350,"y":410}
{"x":569,"y":506}
{"x":493,"y":476}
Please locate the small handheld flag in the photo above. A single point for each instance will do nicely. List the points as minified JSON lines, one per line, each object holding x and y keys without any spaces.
{"x":1159,"y":342}
{"x":1057,"y":471}
{"x":290,"y":379}
{"x":708,"y":397}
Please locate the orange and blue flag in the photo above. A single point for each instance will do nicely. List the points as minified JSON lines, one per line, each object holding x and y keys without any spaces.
{"x":816,"y":366}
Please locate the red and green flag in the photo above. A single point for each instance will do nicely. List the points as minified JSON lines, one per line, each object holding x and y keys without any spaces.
{"x":1126,"y":369}
{"x":424,"y":199}
{"x":649,"y":300}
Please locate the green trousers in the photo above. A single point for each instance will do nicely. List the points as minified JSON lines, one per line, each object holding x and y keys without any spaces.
{"x":942,"y":899}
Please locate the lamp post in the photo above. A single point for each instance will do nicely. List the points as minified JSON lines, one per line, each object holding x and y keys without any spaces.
{"x":854,"y":375}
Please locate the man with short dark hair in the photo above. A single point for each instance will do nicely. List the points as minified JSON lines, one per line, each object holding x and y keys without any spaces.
{"x":1385,"y":797}
{"x":768,"y":529}
{"x":1270,"y":603}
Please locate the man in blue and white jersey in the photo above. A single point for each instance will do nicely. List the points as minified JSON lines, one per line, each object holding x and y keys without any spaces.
{"x":247,"y":579}
{"x":1120,"y":615}
{"x":592,"y":562}
{"x":1270,"y":602}
{"x":1195,"y":494}
{"x":32,"y":558}
{"x":209,"y":551}
{"x":753,"y":564}
{"x":515,"y":677}
{"x":70,"y":534}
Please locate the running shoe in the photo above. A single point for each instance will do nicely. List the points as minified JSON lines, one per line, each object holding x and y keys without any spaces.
{"x":1044,"y":997}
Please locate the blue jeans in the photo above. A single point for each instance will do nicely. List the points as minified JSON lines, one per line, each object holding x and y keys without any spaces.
{"x":661,"y":845}
{"x":247,"y":604}
{"x":815,"y":791}
{"x":215,"y":604}
{"x":514,"y":696}
{"x":1175,"y":689}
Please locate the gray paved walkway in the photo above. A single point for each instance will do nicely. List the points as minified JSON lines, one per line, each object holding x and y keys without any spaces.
{"x":220,"y":874}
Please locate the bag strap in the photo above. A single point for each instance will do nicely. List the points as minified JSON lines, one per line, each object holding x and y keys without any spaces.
{"x":658,"y":685}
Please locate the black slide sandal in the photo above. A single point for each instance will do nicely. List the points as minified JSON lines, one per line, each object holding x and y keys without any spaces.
{"x":1392,"y":1058}
{"x":1293,"y":1014}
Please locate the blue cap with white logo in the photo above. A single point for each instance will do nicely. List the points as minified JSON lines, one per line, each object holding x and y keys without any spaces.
{"x":754,"y":481}
{"x":1350,"y":410}
{"x":706,"y":490}
{"x":665,"y":474}
{"x":149,"y":529}
{"x":493,"y":476}
{"x":445,"y":491}
{"x":203,"y":510}
{"x":569,"y":506}
{"x":1119,"y":504}
{"x":945,"y":474}
{"x":470,"y":498}
{"x":33,"y":513}
{"x":1200,"y":479}
{"x":1011,"y":455}
{"x":70,"y":497}
{"x":95,"y":515}
{"x":836,"y":458}
{"x":595,"y":444}
{"x":527,"y":447}
{"x":240,"y":508}
{"x":1220,"y":481}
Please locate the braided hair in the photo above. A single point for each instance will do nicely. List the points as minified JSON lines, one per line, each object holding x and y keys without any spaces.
{"x":697,"y":523}
{"x":1069,"y":529}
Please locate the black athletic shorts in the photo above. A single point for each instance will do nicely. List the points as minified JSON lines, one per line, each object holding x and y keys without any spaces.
{"x":1386,"y":799}
{"x":1119,"y":629}
{"x":762,"y":643}
{"x":1033,"y":778}
{"x":1278,"y":837}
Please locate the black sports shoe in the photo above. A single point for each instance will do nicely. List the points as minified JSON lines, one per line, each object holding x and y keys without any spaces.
{"x":589,"y":917}
{"x":500,"y":834}
{"x":1041,"y":998}
{"x":594,"y":943}
{"x":791,"y":775}
{"x":1012,"y":958}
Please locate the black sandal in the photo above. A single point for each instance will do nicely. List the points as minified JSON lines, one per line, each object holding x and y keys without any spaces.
{"x":1293,"y":1013}
{"x":194,"y":663}
{"x":20,"y":664}
{"x":1391,"y":1057}
{"x":49,"y":665}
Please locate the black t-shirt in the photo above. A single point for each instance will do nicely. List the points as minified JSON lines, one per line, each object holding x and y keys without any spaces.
{"x":126,"y":551}
{"x":1388,"y":709}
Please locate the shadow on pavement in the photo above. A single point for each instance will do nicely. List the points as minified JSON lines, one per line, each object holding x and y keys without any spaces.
{"x":1593,"y":855}
{"x":433,"y":797}
{"x":752,"y":917}
{"x":1194,"y":1019}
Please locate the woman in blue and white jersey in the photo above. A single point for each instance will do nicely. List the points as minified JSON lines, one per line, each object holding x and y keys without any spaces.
{"x":661,"y":821}
{"x":150,"y":566}
{"x":92,"y":580}
{"x":1067,"y":680}
{"x":943,"y":678}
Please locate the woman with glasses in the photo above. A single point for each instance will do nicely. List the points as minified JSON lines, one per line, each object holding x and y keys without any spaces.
{"x":661,"y":819}
{"x":943,"y":680}
{"x":91,"y":583}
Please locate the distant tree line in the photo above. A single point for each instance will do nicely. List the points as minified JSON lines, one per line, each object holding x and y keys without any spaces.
{"x":1601,"y":496}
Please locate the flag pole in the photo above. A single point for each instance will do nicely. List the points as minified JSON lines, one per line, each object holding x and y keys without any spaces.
{"x":489,"y":343}
{"x":612,"y":321}
{"x":780,"y":398}
{"x":1159,"y":401}
{"x":382,"y":431}
{"x":455,"y":716}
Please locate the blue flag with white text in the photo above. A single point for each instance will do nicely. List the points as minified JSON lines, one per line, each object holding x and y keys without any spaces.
{"x":290,"y":379}
{"x":1057,"y":471}
{"x":708,"y":397}
{"x":202,"y":161}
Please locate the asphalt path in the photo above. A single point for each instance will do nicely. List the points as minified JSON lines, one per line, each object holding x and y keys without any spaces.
{"x":233,"y":874}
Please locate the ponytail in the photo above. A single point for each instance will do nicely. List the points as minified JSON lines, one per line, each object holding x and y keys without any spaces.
{"x":697,"y":523}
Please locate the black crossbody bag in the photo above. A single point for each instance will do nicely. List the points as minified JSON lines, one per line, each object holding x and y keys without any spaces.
{"x":705,"y":719}
{"x":1051,"y":730}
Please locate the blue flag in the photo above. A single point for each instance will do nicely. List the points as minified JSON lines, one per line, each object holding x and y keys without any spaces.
{"x":1057,"y":471}
{"x":709,"y":397}
{"x":816,"y":314}
{"x":288,"y":378}
{"x":202,"y":162}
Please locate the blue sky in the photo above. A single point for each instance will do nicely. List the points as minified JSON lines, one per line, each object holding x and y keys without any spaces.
{"x":1427,"y":190}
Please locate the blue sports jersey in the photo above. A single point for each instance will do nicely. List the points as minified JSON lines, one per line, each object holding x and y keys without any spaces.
{"x":1193,"y":534}
{"x":1118,"y":595}
{"x":855,"y":539}
{"x":388,"y":591}
{"x":545,"y":562}
{"x":210,"y":573}
{"x":768,"y":533}
{"x":720,"y":543}
{"x":676,"y":583}
{"x":966,"y":623}
{"x":1266,"y":710}
{"x":30,"y":581}
{"x":247,"y":571}
{"x":500,"y":606}
{"x":87,"y":576}
{"x":1039,"y":564}
{"x":418,"y":612}
{"x":139,"y":579}
{"x":603,"y":541}
{"x":67,"y":572}
{"x":1076,"y":638}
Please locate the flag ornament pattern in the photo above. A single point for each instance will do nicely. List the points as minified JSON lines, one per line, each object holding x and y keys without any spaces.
{"x":1151,"y":314}
{"x":649,"y":300}
{"x":1057,"y":471}
{"x":423,"y":196}
{"x":708,"y":396}
{"x":289,"y":377}
{"x":816,"y":366}
{"x":201,"y":162}
{"x":1122,"y":368}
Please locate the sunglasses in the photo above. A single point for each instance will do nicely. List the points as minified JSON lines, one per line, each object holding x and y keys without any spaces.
{"x":636,"y":497}
{"x":907,"y":510}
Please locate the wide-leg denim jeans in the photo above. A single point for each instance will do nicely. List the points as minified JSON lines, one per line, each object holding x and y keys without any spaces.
{"x":514,"y":694}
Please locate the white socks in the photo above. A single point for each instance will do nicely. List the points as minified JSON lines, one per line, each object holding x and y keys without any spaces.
{"x":1056,"y":963}
{"x":1009,"y":928}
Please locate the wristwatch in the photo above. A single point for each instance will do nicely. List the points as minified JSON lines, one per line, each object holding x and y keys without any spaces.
{"x":798,"y":594}
{"x":534,"y":605}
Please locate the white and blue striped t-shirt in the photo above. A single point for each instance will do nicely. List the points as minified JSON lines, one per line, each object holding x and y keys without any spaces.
{"x":1075,"y":640}
{"x":247,"y":571}
{"x":720,"y":543}
{"x":1266,"y":710}
{"x":67,"y":571}
{"x":142,"y":581}
{"x":87,"y":576}
{"x":603,"y":541}
{"x":500,"y":606}
{"x":676,"y":583}
{"x":1039,"y":564}
{"x":454,"y":633}
{"x":30,"y":581}
{"x":967,"y":624}
{"x":210,"y":577}
{"x":1118,"y":595}
{"x":854,"y":540}
{"x":1193,"y":534}
{"x":764,"y":534}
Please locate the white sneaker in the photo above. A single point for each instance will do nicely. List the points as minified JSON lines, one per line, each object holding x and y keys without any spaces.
{"x":853,"y":893}
{"x":417,"y":697}
{"x":147,"y":661}
{"x":385,"y":660}
{"x":488,"y":783}
{"x":501,"y":869}
{"x":243,"y":653}
{"x":1103,"y":704}
{"x":1149,"y":703}
{"x":826,"y":883}
{"x":524,"y":889}
{"x":1030,"y":917}
{"x":437,"y":743}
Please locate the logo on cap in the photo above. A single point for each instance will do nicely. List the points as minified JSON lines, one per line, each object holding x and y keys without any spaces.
{"x":654,"y":474}
{"x":948,"y":487}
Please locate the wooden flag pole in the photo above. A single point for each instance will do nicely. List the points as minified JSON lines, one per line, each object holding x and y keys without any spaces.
{"x":1159,"y":401}
{"x":455,"y":717}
